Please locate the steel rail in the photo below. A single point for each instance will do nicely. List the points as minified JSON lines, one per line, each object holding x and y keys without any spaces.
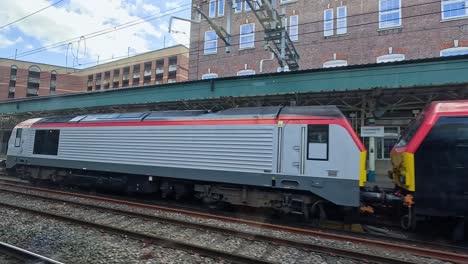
{"x":231,"y":232}
{"x":24,"y":254}
{"x":161,"y":241}
{"x":419,"y":251}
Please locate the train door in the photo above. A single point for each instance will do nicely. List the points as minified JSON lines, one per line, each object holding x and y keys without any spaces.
{"x":317,"y":151}
{"x":306,"y":150}
{"x":292,"y":150}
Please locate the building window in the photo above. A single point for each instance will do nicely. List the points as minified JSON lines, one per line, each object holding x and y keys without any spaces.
{"x":245,"y":72}
{"x":317,"y":142}
{"x":384,"y":145}
{"x":126,"y":77}
{"x":53,"y":82}
{"x":136,"y":75}
{"x":341,"y":20}
{"x":98,"y":81}
{"x":90,"y":82}
{"x":328,"y":22}
{"x":211,"y":42}
{"x":389,"y":13}
{"x":390,"y":58}
{"x":12,"y":86}
{"x":247,"y":6}
{"x":454,"y":51}
{"x":147,"y":74}
{"x":159,"y":71}
{"x":238,"y":6}
{"x":212,"y":8}
{"x":454,"y":8}
{"x":34,"y":80}
{"x":220,"y":7}
{"x":208,"y":76}
{"x":247,"y":36}
{"x":335,"y":63}
{"x":294,"y":27}
{"x":107,"y":80}
{"x":115,"y":81}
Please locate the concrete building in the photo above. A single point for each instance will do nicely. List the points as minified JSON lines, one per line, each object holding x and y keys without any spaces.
{"x":20,"y":79}
{"x":332,"y":33}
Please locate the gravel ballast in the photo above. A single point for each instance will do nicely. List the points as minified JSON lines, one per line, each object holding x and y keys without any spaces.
{"x":70,"y":243}
{"x":278,"y":254}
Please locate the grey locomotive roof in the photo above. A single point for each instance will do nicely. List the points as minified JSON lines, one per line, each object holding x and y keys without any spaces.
{"x":248,"y":112}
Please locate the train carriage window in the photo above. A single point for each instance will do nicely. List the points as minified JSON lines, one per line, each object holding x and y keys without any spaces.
{"x":317,"y":142}
{"x":46,"y":142}
{"x":19,"y":131}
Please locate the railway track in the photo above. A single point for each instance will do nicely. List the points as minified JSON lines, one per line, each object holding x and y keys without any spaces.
{"x":154,"y":223}
{"x":15,"y":254}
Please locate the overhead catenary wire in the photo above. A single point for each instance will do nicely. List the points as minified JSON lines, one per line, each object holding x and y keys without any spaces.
{"x":257,"y":51}
{"x":149,"y":18}
{"x":304,"y":33}
{"x":103,"y":31}
{"x":33,"y":13}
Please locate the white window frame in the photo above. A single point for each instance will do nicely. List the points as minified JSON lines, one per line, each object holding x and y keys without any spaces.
{"x":212,"y":8}
{"x":221,"y":3}
{"x":238,"y":6}
{"x":205,"y":49}
{"x":208,"y":76}
{"x":341,"y":21}
{"x":294,"y":28}
{"x":381,"y":13}
{"x":246,"y":6}
{"x":286,"y":1}
{"x":335,"y":63}
{"x":390,"y":58}
{"x":328,"y":23}
{"x":447,"y":52}
{"x":246,"y":72}
{"x":443,"y":3}
{"x":244,"y":35}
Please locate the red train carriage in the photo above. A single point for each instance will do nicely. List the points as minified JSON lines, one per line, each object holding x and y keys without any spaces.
{"x":430,"y":161}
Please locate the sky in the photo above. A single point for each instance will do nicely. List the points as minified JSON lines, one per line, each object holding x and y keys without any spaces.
{"x":73,"y":24}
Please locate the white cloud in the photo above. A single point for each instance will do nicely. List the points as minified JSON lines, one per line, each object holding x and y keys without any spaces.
{"x":78,"y":18}
{"x":5,"y":42}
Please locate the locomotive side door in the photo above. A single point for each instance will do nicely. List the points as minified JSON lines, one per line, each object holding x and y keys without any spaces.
{"x":291,"y":150}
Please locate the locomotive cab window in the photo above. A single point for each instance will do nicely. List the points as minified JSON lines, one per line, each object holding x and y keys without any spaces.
{"x":46,"y":142}
{"x":19,"y":131}
{"x":317,"y":142}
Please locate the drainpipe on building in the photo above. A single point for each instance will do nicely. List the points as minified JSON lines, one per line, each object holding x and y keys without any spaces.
{"x":262,"y":61}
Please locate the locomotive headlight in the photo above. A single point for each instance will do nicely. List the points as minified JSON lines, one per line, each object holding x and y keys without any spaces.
{"x":403,"y":178}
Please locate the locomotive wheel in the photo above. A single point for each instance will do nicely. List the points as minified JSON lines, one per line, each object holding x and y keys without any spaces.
{"x":317,"y":213}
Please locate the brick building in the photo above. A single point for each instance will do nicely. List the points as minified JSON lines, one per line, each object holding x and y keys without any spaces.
{"x":161,"y":66}
{"x":330,"y":33}
{"x":20,"y":79}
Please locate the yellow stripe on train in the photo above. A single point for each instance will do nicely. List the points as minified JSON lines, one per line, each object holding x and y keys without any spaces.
{"x":403,"y":170}
{"x":362,"y":169}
